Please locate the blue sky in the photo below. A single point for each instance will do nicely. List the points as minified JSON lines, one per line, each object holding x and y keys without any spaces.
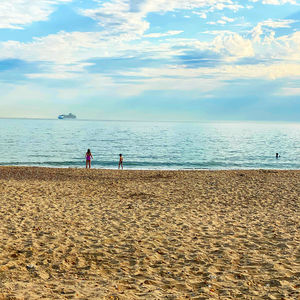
{"x":190,"y":60}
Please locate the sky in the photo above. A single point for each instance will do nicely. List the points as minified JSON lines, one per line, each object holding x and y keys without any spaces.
{"x":176,"y":60}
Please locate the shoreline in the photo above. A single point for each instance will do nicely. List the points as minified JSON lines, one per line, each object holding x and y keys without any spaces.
{"x":158,"y":170}
{"x":136,"y":234}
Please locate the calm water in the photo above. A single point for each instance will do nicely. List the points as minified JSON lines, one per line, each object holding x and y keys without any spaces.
{"x":145,"y":145}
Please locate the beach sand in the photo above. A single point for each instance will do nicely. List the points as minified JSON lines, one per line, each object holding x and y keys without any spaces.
{"x":109,"y":234}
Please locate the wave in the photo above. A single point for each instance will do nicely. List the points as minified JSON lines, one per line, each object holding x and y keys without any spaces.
{"x":209,"y":165}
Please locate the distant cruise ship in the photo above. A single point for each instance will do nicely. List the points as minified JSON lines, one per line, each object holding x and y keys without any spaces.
{"x":69,"y":116}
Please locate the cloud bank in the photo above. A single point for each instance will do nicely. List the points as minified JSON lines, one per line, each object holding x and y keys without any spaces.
{"x":19,"y":13}
{"x":136,"y":47}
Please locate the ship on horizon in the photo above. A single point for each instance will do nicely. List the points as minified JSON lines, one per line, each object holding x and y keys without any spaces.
{"x":69,"y":116}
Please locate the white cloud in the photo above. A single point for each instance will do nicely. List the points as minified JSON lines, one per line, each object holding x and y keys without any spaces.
{"x":18,"y":13}
{"x":62,"y":48}
{"x":66,"y":49}
{"x":277,"y":23}
{"x":280,"y":2}
{"x":67,"y":52}
{"x":148,"y":6}
{"x":174,"y":75}
{"x":234,"y":46}
{"x":219,"y":32}
{"x":277,"y":2}
{"x":202,"y":15}
{"x":229,"y":5}
{"x":202,"y":80}
{"x":227,"y":19}
{"x":285,"y":48}
{"x":289,"y":91}
{"x":228,"y":45}
{"x":224,"y":20}
{"x":263,"y":71}
{"x":128,"y":16}
{"x":62,"y":71}
{"x":168,"y":33}
{"x":123,"y":31}
{"x":264,"y":27}
{"x":117,"y":19}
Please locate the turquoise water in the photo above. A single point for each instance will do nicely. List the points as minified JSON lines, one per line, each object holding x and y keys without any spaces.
{"x":149,"y":145}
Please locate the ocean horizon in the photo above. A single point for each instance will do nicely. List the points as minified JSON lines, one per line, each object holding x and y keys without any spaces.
{"x":150,"y":145}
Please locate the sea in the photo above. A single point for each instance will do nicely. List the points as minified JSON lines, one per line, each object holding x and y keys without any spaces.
{"x":150,"y":145}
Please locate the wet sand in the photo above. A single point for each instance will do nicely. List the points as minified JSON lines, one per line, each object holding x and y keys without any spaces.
{"x":109,"y":234}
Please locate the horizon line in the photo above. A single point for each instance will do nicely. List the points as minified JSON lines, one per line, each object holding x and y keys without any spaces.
{"x":152,"y":121}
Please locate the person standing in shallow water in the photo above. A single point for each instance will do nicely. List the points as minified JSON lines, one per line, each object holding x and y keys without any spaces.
{"x":120,"y":161}
{"x":88,"y":157}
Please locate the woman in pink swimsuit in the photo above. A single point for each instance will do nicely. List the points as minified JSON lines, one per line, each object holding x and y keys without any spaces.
{"x":88,"y":157}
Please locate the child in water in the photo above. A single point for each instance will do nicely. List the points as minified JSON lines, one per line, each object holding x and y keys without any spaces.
{"x":88,"y":157}
{"x":120,"y":162}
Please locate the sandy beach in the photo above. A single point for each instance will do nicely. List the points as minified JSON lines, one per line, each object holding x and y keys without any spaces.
{"x":109,"y":234}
